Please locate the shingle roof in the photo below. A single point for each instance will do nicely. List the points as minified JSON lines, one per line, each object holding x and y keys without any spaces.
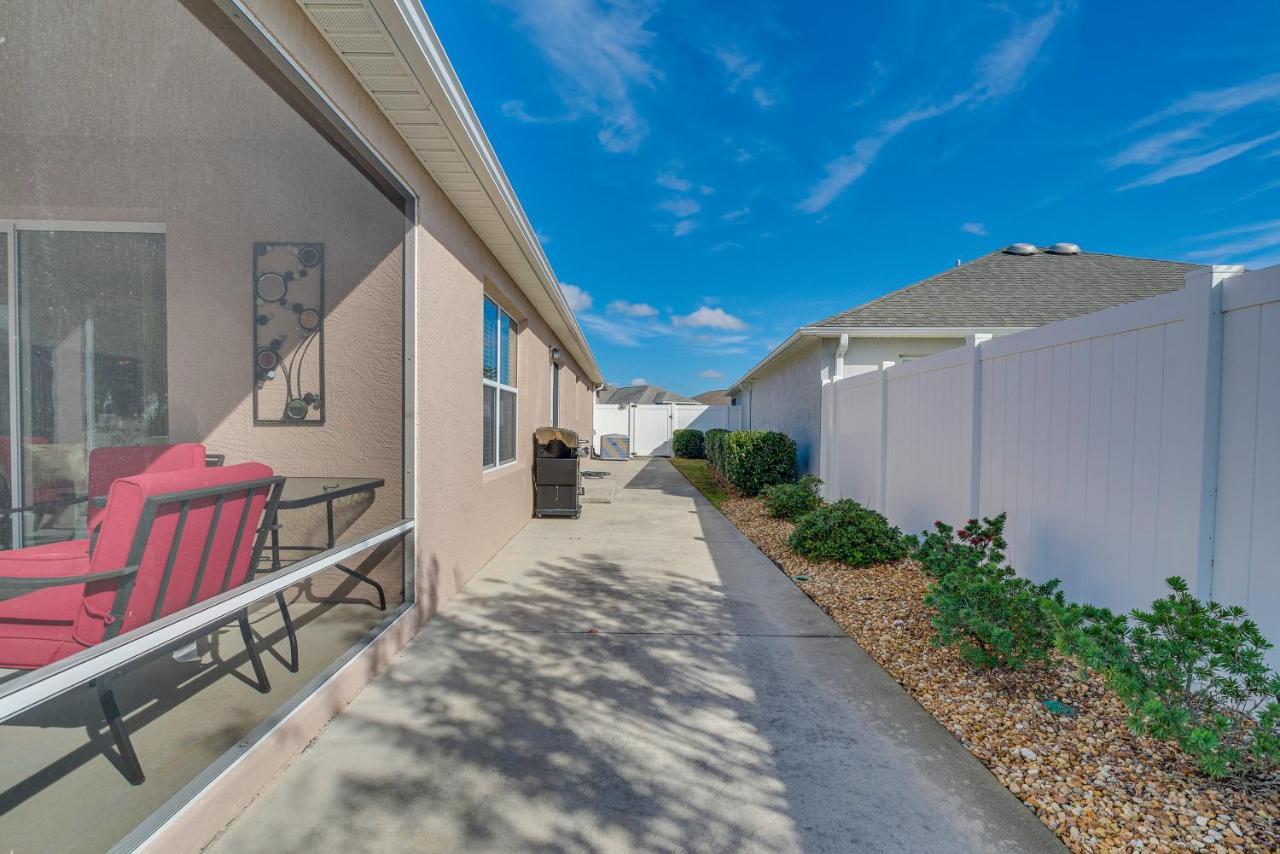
{"x":1002,"y":290}
{"x":718,"y":397}
{"x":640,"y":394}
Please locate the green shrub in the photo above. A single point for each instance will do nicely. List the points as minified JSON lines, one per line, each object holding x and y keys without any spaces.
{"x":687,"y":444}
{"x":713,"y":447}
{"x":848,"y":532}
{"x":997,"y":619}
{"x":754,"y":459}
{"x":944,"y":549}
{"x":792,"y":500}
{"x":1190,"y":672}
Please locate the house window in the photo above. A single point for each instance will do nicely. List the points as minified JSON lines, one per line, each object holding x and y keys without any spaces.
{"x":499,"y":383}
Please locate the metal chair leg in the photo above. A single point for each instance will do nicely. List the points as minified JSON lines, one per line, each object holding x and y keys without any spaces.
{"x":382,"y":594}
{"x":289,"y":630}
{"x":130,"y":765}
{"x":259,"y":672}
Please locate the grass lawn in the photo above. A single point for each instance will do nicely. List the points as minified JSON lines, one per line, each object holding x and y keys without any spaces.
{"x":699,"y":474}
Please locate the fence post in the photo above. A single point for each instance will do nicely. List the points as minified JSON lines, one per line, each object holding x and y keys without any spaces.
{"x":883,"y":485}
{"x":973,"y":421}
{"x":1203,"y":321}
{"x":827,"y":438}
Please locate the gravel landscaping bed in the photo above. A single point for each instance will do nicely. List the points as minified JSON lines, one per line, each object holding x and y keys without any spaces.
{"x":1087,"y":777}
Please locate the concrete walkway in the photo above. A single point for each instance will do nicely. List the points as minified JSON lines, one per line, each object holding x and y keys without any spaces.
{"x":717,"y":709}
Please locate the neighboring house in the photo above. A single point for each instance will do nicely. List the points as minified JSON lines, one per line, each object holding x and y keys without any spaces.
{"x":1006,"y":291}
{"x":638,"y":394}
{"x":276,"y":229}
{"x":720,"y":397}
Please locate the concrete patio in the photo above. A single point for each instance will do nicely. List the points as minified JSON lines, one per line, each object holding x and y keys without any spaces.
{"x":642,"y":679}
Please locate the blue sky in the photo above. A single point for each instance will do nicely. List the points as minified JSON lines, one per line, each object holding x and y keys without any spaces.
{"x":708,"y":176}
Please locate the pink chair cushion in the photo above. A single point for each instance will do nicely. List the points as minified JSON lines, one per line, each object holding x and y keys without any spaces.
{"x":107,"y":465}
{"x":36,"y":628}
{"x":227,"y":565}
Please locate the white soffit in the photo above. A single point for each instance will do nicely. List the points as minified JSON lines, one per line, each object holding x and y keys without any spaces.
{"x":391,"y":48}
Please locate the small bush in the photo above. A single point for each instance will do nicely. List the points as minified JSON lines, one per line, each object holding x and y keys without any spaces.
{"x":792,"y":500}
{"x":848,"y":532}
{"x":1191,"y":672}
{"x":944,"y":549}
{"x":754,"y":459}
{"x":713,"y":447}
{"x":997,"y":619}
{"x":687,"y":444}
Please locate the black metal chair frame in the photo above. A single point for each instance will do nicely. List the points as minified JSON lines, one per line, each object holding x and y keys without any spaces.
{"x":130,"y":765}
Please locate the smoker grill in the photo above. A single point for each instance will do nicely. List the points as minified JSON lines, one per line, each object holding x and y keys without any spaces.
{"x":556,"y":481}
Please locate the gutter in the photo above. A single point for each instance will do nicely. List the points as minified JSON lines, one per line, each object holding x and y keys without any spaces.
{"x":416,"y":41}
{"x":844,"y":333}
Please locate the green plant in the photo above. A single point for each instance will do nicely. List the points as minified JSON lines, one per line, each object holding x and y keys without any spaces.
{"x":848,"y":532}
{"x":687,"y":444}
{"x":713,"y":447}
{"x":945,"y":549}
{"x":997,"y":619}
{"x":754,"y":459}
{"x":1191,"y":672}
{"x":792,"y":500}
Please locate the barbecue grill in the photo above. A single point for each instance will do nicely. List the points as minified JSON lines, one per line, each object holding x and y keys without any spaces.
{"x":557,"y":483}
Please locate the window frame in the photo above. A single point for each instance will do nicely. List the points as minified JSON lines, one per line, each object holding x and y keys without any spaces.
{"x":505,"y":321}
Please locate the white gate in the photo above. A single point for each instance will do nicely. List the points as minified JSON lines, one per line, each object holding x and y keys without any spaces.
{"x":652,"y":436}
{"x":650,"y":425}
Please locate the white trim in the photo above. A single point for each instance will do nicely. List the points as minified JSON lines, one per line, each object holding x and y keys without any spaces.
{"x":410,"y":31}
{"x":53,"y":680}
{"x":499,"y":387}
{"x":106,"y":226}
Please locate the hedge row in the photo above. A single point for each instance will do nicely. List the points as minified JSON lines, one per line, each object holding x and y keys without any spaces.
{"x":751,"y":460}
{"x":688,"y":444}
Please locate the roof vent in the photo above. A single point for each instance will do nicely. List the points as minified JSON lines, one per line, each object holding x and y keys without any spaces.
{"x":1064,"y":249}
{"x":1020,"y":249}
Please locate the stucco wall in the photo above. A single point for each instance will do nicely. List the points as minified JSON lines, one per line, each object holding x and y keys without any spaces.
{"x":787,"y":394}
{"x":465,"y":514}
{"x":788,"y":397}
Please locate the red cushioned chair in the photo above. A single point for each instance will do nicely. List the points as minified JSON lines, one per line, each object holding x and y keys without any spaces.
{"x":167,"y":540}
{"x":107,"y":465}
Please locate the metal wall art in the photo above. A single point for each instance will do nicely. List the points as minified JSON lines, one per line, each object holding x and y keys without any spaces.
{"x":288,"y":333}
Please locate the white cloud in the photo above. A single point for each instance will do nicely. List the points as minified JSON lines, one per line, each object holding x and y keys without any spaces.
{"x":1221,"y":101}
{"x":710,"y":318}
{"x":976,"y":228}
{"x":1158,"y":147}
{"x":711,"y":374}
{"x":632,"y":309}
{"x":638,"y":381}
{"x":738,"y":67}
{"x":705,"y":190}
{"x":764,"y":97}
{"x":578,"y":299}
{"x":598,"y":55}
{"x":1244,"y":244}
{"x":998,"y":73}
{"x":680,"y":207}
{"x":1197,"y":163}
{"x":516,"y":110}
{"x":726,"y":244}
{"x":683,"y":227}
{"x":735,"y":214}
{"x":672,"y":181}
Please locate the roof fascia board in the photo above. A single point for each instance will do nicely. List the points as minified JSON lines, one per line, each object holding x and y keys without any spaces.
{"x":416,"y":40}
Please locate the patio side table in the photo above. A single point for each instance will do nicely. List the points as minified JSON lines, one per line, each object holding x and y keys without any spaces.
{"x":302,"y":492}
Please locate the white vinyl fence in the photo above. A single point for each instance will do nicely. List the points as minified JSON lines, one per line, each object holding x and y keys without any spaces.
{"x":650,"y":425}
{"x":1126,"y":446}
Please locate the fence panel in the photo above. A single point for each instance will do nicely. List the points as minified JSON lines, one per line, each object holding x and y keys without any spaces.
{"x":1126,"y":446}
{"x":696,"y":416}
{"x":928,"y":466}
{"x":1247,"y":541}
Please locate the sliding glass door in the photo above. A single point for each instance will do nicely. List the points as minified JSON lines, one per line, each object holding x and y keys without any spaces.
{"x":86,"y":363}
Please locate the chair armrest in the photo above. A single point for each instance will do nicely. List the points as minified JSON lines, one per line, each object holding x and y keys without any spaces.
{"x":13,"y":586}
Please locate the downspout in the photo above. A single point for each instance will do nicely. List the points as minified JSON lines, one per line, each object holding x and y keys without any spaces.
{"x":840,"y":351}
